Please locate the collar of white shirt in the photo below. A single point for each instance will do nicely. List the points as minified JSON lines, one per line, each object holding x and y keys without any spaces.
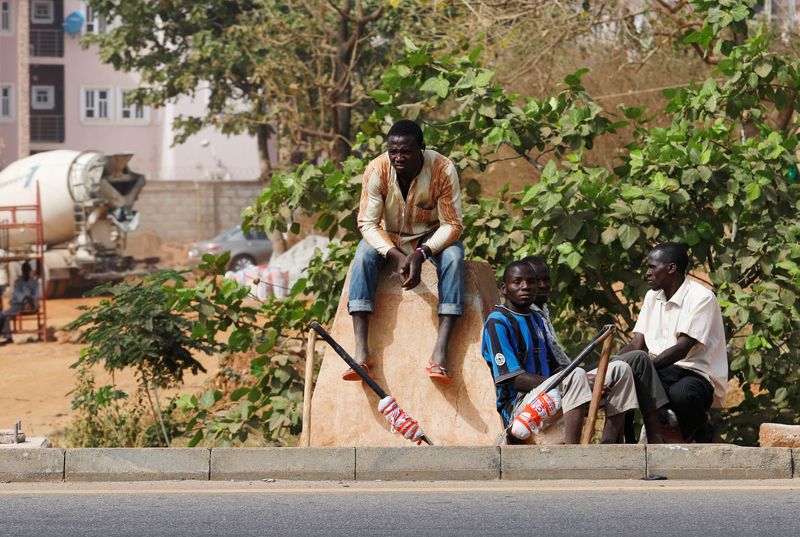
{"x":679,"y":295}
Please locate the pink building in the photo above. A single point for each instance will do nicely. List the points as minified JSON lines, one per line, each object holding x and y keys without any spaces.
{"x":55,"y":95}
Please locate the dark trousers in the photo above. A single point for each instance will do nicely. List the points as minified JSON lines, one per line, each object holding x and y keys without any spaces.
{"x":686,"y":392}
{"x":690,"y":396}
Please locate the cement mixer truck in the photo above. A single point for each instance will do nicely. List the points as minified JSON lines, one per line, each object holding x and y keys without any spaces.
{"x":87,"y":210}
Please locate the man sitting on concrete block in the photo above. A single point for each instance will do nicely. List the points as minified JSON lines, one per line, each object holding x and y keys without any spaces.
{"x":410,"y":212}
{"x":521,"y":356}
{"x":677,"y":353}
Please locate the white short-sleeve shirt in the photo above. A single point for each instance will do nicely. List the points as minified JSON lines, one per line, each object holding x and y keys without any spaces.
{"x":693,"y":310}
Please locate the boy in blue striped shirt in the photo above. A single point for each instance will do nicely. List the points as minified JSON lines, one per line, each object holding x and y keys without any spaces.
{"x":520,"y":356}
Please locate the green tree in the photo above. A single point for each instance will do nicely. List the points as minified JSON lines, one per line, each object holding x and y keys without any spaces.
{"x":719,"y":175}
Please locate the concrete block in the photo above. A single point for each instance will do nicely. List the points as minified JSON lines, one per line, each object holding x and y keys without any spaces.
{"x":796,"y":462}
{"x":428,"y":462}
{"x":779,"y":435}
{"x":32,"y":442}
{"x":573,"y":462}
{"x":130,"y":464}
{"x":283,"y":463}
{"x":31,"y":464}
{"x":718,"y":461}
{"x":403,"y":331}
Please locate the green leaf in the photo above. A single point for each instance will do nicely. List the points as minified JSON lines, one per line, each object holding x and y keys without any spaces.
{"x":628,"y":235}
{"x":198,"y":436}
{"x":763,"y":68}
{"x":483,"y":78}
{"x":702,"y":37}
{"x":573,"y":260}
{"x":208,"y":399}
{"x":239,"y":393}
{"x":488,"y":110}
{"x":381,"y":96}
{"x":753,"y":191}
{"x":608,"y":235}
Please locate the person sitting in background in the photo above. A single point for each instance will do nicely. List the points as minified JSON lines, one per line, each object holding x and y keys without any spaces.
{"x":521,"y":358}
{"x":619,"y":387}
{"x":24,"y":298}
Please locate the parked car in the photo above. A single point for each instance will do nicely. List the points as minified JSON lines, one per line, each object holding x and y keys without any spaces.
{"x":253,"y":248}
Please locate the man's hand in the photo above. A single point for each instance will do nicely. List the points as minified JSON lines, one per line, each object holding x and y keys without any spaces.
{"x":411,"y":270}
{"x":399,"y":258}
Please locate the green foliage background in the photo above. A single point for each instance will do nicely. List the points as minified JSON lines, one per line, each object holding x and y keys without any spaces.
{"x":713,"y":169}
{"x":716,"y":176}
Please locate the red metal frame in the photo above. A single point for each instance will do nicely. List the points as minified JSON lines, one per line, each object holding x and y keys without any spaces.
{"x":11,"y":222}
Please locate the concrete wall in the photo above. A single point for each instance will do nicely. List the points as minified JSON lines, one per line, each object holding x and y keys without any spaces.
{"x":182,"y":211}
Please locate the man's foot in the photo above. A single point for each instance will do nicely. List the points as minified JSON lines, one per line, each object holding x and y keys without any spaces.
{"x":6,"y":341}
{"x":438,"y":373}
{"x":350,"y":374}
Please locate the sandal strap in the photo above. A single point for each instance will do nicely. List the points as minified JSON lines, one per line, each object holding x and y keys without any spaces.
{"x":442,"y":369}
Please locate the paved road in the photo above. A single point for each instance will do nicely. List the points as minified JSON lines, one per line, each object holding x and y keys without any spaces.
{"x":614,"y":508}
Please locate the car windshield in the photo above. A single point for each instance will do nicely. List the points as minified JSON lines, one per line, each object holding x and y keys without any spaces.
{"x":228,"y":235}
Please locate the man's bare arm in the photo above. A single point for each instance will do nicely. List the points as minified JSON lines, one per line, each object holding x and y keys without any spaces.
{"x":635,"y":344}
{"x":676,"y":352}
{"x":525,"y":382}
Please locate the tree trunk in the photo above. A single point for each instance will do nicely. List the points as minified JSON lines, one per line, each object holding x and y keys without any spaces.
{"x":265,"y":165}
{"x":343,"y":91}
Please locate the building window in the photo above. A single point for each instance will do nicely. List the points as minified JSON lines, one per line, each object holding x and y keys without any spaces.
{"x":6,"y":102}
{"x":95,"y":24}
{"x":42,"y":11}
{"x":132,"y":112}
{"x":43,"y":97}
{"x":96,"y":103}
{"x":5,"y":17}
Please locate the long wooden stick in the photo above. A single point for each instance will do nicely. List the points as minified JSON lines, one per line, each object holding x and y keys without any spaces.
{"x":305,"y":433}
{"x":597,"y":393}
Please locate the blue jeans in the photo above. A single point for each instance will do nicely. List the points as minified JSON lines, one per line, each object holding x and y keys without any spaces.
{"x":367,"y":266}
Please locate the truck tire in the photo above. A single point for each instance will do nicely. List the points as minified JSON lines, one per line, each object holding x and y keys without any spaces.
{"x":56,"y":288}
{"x":240,"y":262}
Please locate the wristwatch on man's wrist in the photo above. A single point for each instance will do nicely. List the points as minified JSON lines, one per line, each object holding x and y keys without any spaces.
{"x":422,"y":251}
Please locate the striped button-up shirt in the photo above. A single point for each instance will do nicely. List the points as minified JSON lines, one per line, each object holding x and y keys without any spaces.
{"x":433,"y":204}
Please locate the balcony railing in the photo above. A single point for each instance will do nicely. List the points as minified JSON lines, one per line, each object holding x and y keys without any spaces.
{"x":47,"y":43}
{"x":47,"y":128}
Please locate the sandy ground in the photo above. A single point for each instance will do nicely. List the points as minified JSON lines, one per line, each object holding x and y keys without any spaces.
{"x":35,"y":378}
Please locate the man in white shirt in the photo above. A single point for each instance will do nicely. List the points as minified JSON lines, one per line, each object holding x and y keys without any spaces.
{"x":24,"y":297}
{"x":677,"y":353}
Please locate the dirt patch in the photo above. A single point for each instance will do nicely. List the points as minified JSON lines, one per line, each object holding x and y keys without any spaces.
{"x":35,"y":378}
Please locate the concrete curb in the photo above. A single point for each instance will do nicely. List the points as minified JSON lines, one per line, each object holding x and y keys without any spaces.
{"x":31,"y":465}
{"x":460,"y":463}
{"x":705,"y":461}
{"x":574,"y":462}
{"x":131,"y":464}
{"x":467,"y":463}
{"x":312,"y":464}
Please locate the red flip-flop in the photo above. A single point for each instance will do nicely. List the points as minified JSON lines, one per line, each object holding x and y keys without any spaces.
{"x":439,"y":374}
{"x":350,"y":374}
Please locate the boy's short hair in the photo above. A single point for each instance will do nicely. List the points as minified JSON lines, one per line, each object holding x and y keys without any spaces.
{"x":513,"y":265}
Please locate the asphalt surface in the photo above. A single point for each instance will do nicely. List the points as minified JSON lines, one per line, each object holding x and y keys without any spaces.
{"x":596,"y":508}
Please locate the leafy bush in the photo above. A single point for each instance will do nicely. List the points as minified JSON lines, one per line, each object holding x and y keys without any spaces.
{"x":718,"y":176}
